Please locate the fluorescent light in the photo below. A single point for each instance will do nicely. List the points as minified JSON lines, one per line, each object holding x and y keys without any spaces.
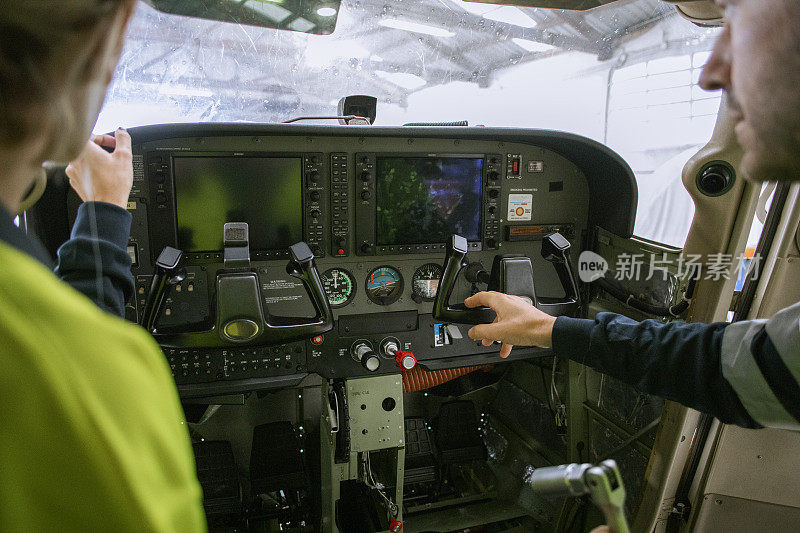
{"x":415,"y":27}
{"x":533,"y":46}
{"x":476,"y":8}
{"x":272,"y":11}
{"x":403,"y":79}
{"x":301,"y":24}
{"x":326,"y":12}
{"x":510,"y":15}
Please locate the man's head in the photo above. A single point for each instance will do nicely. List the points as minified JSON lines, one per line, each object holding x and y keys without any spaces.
{"x":757,"y":62}
{"x":56,"y":60}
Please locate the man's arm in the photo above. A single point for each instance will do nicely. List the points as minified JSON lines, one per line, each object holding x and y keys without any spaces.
{"x":677,"y":361}
{"x":95,"y":261}
{"x":745,"y":373}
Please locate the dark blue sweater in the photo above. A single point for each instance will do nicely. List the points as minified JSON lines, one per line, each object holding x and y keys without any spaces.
{"x":94,"y":261}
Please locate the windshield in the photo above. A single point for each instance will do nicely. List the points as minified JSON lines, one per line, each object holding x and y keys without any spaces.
{"x":624,"y":74}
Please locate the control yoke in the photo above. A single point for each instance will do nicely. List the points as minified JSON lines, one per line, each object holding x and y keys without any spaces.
{"x":454,"y":261}
{"x":241,"y":318}
{"x":510,"y":275}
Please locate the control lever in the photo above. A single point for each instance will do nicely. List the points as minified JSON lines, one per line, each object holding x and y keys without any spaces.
{"x":168,"y":273}
{"x":510,"y":275}
{"x":454,"y":261}
{"x":555,"y":248}
{"x":241,"y":317}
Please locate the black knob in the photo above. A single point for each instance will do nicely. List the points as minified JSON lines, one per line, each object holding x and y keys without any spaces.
{"x":494,"y":193}
{"x":366,"y":195}
{"x":492,"y":175}
{"x":314,"y":196}
{"x":365,"y":160}
{"x":366,"y":176}
{"x":161,"y":198}
{"x":371,"y":362}
{"x":492,"y":209}
{"x":315,"y":213}
{"x":313,"y":176}
{"x":715,"y":180}
{"x":160,"y":176}
{"x":367,"y":356}
{"x":340,"y":242}
{"x":366,"y":248}
{"x":491,"y":243}
{"x":315,"y":159}
{"x":493,"y":161}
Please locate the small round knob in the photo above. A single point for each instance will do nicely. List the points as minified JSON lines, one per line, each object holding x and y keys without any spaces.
{"x":494,"y":193}
{"x":160,"y":176}
{"x":371,"y":362}
{"x":366,"y":248}
{"x":491,"y":243}
{"x":366,"y":195}
{"x":315,"y":213}
{"x":340,"y":242}
{"x":492,"y":209}
{"x":313,"y":176}
{"x":405,"y":359}
{"x":492,"y":175}
{"x":367,"y":356}
{"x":366,"y":176}
{"x":314,"y":196}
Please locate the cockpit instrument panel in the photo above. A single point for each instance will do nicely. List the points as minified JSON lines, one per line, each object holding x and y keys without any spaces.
{"x":375,"y":206}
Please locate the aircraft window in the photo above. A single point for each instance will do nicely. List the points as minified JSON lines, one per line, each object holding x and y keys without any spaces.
{"x":658,"y":118}
{"x":624,"y":74}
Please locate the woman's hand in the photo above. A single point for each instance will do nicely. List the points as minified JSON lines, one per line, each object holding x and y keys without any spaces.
{"x":517,"y":323}
{"x":100,"y":176}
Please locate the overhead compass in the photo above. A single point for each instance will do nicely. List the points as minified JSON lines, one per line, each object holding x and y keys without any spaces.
{"x":340,"y":286}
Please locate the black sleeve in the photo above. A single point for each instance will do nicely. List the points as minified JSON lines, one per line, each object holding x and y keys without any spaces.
{"x":677,"y":361}
{"x":95,"y":260}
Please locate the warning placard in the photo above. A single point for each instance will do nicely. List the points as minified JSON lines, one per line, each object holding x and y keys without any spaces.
{"x":519,"y":206}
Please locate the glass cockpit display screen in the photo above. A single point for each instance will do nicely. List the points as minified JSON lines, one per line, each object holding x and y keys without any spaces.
{"x":423,"y":200}
{"x":265,"y":192}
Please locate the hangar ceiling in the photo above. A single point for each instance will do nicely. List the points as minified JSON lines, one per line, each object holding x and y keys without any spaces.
{"x":388,"y":49}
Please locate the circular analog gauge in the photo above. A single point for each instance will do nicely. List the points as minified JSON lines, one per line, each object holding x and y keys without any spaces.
{"x":426,"y":281}
{"x":340,"y":286}
{"x":384,"y":285}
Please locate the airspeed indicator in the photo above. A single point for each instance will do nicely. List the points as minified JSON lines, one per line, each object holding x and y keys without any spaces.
{"x":340,"y":286}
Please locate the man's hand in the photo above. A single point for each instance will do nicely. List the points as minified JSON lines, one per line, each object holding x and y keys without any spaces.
{"x":99,"y":176}
{"x":517,"y":322}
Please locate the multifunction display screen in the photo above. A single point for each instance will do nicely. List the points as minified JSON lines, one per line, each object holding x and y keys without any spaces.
{"x":423,"y":200}
{"x":265,"y":192}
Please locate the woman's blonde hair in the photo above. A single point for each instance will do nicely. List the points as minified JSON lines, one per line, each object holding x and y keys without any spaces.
{"x":46,"y":48}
